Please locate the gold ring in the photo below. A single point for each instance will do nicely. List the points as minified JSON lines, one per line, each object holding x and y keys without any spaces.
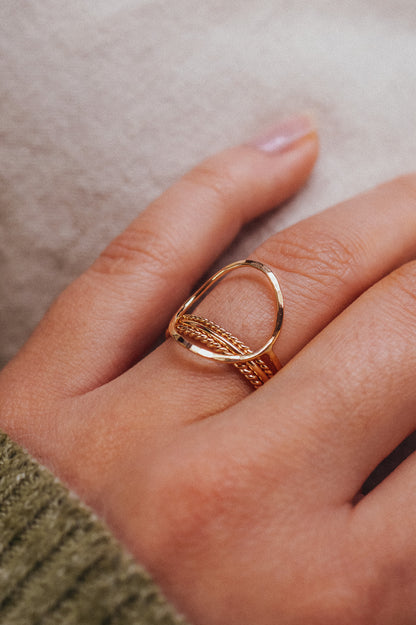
{"x":256,"y":366}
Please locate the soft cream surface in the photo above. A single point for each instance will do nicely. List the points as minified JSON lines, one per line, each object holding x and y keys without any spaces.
{"x":103,"y":103}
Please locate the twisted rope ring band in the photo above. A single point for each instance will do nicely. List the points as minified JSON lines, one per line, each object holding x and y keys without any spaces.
{"x":215,"y":343}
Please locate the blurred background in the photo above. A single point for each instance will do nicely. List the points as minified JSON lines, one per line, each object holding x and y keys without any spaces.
{"x":103,"y":103}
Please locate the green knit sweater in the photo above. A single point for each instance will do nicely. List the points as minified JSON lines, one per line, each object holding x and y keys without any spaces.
{"x":58,"y":564}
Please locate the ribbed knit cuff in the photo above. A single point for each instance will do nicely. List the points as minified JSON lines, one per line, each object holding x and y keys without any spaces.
{"x":58,"y":564}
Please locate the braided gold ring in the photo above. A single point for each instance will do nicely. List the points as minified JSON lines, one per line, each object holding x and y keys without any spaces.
{"x":256,"y":366}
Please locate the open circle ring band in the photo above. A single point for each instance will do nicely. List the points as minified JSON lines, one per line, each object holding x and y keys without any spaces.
{"x":209,"y":340}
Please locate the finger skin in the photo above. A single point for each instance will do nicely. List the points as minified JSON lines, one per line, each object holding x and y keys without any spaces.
{"x":256,"y":501}
{"x":385,"y":521}
{"x":190,"y":389}
{"x":108,"y":317}
{"x":275,"y":474}
{"x":323,"y":264}
{"x":256,"y":540}
{"x":271,"y":481}
{"x":349,"y":397}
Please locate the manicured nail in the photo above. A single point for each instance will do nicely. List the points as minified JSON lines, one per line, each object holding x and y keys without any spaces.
{"x":286,"y":134}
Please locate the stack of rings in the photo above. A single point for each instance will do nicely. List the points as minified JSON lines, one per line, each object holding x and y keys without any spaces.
{"x":215,"y":343}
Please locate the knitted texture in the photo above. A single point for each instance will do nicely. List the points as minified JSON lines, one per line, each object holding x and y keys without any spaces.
{"x":58,"y":564}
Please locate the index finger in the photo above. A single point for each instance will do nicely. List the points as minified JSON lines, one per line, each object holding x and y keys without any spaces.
{"x":110,"y":316}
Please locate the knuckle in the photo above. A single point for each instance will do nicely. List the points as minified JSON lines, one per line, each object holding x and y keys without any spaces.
{"x":214,"y":183}
{"x":137,"y":249}
{"x":319,"y":256}
{"x":156,"y":249}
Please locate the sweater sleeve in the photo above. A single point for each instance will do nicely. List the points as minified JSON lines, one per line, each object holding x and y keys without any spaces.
{"x":58,"y":563}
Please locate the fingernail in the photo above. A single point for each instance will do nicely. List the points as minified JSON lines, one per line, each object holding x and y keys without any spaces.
{"x":285,"y":134}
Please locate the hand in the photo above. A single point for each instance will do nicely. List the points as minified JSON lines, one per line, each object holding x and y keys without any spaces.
{"x":243,"y":505}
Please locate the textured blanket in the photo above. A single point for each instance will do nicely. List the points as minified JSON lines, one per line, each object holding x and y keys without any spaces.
{"x":103,"y":103}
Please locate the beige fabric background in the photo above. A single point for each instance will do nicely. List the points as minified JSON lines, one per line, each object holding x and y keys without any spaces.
{"x":103,"y":103}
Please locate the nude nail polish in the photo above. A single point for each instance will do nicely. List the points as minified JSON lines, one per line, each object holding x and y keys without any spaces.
{"x":285,"y":134}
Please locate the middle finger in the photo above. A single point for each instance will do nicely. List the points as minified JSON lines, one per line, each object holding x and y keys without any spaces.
{"x":322,"y":263}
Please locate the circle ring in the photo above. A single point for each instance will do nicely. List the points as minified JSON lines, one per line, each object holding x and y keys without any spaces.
{"x":195,"y":297}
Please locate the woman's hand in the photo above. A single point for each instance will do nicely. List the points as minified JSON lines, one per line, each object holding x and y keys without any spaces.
{"x":243,"y":505}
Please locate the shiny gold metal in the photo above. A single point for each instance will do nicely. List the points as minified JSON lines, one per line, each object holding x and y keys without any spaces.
{"x":220,"y":341}
{"x":256,"y":366}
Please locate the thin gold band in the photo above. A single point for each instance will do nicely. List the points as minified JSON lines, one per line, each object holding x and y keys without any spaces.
{"x":218,"y":344}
